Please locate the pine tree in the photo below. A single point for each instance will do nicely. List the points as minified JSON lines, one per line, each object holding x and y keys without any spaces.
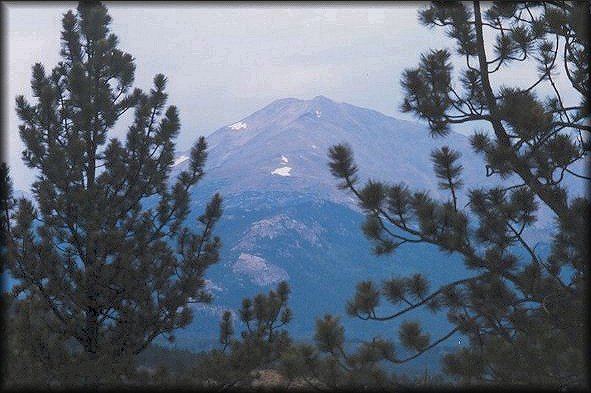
{"x":521,"y":310}
{"x":6,"y":204}
{"x":327,"y":364}
{"x":104,"y":244}
{"x":260,"y":345}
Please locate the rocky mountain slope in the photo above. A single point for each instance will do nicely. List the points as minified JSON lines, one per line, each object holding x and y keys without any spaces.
{"x":284,"y":218}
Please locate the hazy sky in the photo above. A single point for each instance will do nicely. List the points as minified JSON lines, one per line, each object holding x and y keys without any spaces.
{"x":225,"y":61}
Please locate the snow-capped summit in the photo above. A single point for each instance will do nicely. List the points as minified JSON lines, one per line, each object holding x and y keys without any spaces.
{"x":290,"y":134}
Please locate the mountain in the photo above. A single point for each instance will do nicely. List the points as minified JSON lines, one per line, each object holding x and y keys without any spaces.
{"x":284,"y":147}
{"x":285,"y":219}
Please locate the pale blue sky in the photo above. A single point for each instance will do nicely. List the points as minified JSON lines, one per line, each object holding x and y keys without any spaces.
{"x":224,"y":62}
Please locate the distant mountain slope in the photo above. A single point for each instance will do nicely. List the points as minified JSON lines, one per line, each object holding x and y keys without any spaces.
{"x":284,"y":218}
{"x":284,"y":147}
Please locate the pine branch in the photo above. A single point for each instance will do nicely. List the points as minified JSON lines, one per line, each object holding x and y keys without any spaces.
{"x":432,"y":345}
{"x":424,"y":301}
{"x":498,"y":128}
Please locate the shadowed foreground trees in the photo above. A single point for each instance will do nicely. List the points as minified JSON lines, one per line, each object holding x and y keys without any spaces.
{"x":523,"y":310}
{"x":259,"y":347}
{"x":102,"y":256}
{"x":266,"y":356}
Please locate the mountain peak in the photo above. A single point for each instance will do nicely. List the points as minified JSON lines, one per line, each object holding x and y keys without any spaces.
{"x":323,"y":103}
{"x":323,"y":99}
{"x":318,"y":100}
{"x":284,"y":146}
{"x":284,"y":111}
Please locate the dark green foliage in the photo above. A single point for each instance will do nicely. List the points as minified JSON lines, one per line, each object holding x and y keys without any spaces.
{"x":6,"y":203}
{"x":448,"y":171}
{"x":35,"y":356}
{"x":431,"y":80}
{"x":327,"y":365}
{"x":330,"y":335}
{"x":226,"y":329}
{"x":259,"y":347}
{"x":522,"y":311}
{"x":342,"y":165}
{"x":164,"y":367}
{"x":411,"y":336}
{"x":104,"y":246}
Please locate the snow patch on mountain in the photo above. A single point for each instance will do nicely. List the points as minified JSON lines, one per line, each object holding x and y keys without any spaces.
{"x":258,"y":270}
{"x":284,"y":159}
{"x":238,"y":126}
{"x":318,"y":113}
{"x":283,"y":171}
{"x":179,"y":160}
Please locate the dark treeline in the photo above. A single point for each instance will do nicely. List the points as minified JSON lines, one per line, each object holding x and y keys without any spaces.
{"x":105,"y":262}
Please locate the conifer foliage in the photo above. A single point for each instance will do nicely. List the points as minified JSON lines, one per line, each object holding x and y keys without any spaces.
{"x":6,"y":204}
{"x":104,"y":246}
{"x":261,"y":342}
{"x":522,"y":309}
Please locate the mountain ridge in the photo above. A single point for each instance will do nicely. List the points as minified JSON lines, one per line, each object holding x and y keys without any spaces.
{"x":289,"y":139}
{"x":285,"y":218}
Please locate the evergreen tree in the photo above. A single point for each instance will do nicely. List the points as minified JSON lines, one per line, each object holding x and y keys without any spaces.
{"x":34,"y":355}
{"x":327,"y":365}
{"x":522,"y":310}
{"x":260,"y":345}
{"x":6,"y":203}
{"x":104,"y":246}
